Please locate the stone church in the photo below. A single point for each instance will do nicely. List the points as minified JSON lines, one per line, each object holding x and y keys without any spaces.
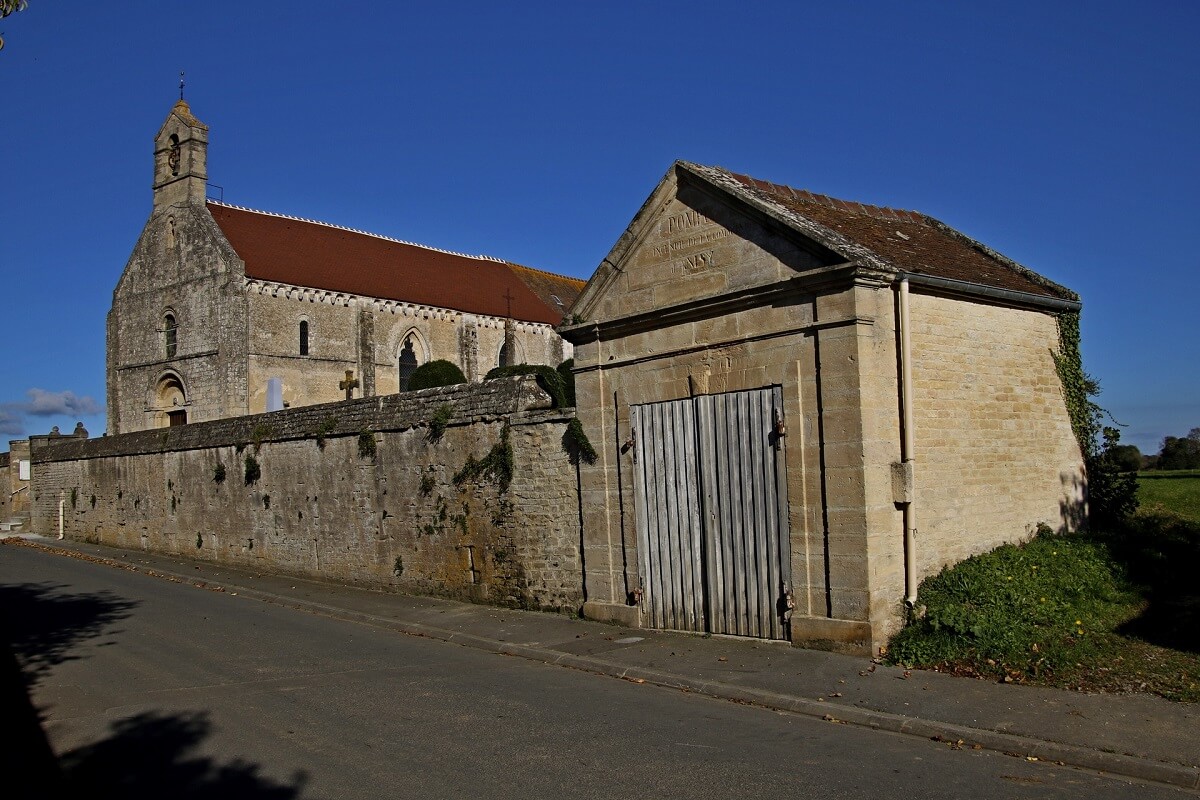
{"x":224,"y":311}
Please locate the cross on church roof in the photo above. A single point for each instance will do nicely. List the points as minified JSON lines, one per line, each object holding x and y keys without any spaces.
{"x":180,"y":84}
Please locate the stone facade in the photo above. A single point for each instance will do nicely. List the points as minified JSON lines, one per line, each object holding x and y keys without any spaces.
{"x":194,"y":336}
{"x":365,"y":492}
{"x":14,"y":500}
{"x":708,"y":293}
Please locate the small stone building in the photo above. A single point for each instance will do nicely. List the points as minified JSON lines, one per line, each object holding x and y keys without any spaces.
{"x":224,"y":311}
{"x":803,"y":406}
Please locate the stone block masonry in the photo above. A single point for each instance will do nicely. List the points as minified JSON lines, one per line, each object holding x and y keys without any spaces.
{"x":379,"y":492}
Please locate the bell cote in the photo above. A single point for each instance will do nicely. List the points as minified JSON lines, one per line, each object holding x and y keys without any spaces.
{"x":180,"y":159}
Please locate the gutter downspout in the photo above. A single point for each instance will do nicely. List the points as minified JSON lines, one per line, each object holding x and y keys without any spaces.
{"x":906,"y":449}
{"x":62,"y":501}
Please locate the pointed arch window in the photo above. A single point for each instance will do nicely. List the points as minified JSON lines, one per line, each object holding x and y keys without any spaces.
{"x":170,"y":336}
{"x":407,"y":362}
{"x":303,"y":337}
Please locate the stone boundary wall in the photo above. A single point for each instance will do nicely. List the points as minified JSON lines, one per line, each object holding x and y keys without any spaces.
{"x":373,"y":492}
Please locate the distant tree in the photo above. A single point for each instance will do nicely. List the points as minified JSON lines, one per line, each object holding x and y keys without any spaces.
{"x":1180,"y":452}
{"x":1126,"y":457}
{"x":10,"y":7}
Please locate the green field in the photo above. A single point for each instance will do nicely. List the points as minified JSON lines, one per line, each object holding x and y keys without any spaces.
{"x":1177,"y":491}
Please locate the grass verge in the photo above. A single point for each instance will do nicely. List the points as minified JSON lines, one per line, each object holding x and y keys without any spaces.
{"x":1115,"y":612}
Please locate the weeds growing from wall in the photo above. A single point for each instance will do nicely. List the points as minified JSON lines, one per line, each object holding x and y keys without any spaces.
{"x":327,"y":426}
{"x":577,"y":442}
{"x":428,"y":482}
{"x":253,"y":470}
{"x":497,"y":465}
{"x":366,"y":445}
{"x":219,"y":473}
{"x":441,"y":418}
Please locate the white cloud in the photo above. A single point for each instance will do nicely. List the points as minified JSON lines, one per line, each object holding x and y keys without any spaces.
{"x":11,"y":423}
{"x":14,"y":417}
{"x":67,"y":404}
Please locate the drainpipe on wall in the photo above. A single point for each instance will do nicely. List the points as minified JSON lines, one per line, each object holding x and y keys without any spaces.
{"x":62,"y":501}
{"x":907,"y":447}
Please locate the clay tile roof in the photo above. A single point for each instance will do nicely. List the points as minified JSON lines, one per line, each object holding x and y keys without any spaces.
{"x":904,"y":240}
{"x":301,"y":252}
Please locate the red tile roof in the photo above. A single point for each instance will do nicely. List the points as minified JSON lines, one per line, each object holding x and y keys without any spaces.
{"x":908,"y":241}
{"x":313,"y":254}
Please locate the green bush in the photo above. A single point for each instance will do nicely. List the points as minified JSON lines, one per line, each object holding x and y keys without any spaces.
{"x":547,"y":378}
{"x":434,"y":374}
{"x":568,"y":380}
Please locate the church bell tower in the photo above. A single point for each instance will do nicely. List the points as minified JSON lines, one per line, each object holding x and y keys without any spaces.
{"x":180,"y":159}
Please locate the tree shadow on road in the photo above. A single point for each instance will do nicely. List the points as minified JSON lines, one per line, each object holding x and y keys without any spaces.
{"x":147,"y":755}
{"x":151,"y":755}
{"x":45,"y":622}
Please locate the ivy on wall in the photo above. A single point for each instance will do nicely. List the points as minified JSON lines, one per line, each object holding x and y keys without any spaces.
{"x":1111,"y":491}
{"x":1078,"y":387}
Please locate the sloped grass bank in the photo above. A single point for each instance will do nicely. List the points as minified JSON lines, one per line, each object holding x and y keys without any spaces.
{"x":1099,"y":613}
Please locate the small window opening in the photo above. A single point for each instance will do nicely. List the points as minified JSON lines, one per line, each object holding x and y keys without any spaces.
{"x":175,"y":418}
{"x":170,"y":335}
{"x":407,"y":363}
{"x":304,"y":337}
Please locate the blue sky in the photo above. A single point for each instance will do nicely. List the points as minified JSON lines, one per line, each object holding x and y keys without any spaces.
{"x":1062,"y":134}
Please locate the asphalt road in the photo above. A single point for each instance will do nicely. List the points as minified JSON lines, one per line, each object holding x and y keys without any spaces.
{"x":145,"y":686}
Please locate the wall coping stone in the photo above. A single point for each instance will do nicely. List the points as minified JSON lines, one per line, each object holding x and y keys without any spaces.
{"x":517,"y":399}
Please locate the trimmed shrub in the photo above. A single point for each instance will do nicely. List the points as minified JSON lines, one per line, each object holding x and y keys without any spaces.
{"x":434,"y":374}
{"x":547,"y":378}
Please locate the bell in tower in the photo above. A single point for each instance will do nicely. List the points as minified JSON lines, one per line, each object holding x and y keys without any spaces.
{"x":180,"y":159}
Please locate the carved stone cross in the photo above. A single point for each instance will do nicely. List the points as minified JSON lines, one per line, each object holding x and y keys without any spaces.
{"x":349,"y":385}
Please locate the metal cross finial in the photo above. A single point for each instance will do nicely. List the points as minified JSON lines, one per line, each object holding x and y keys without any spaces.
{"x":180,"y":84}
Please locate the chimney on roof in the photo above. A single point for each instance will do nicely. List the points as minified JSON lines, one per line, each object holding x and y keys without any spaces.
{"x":180,"y":159}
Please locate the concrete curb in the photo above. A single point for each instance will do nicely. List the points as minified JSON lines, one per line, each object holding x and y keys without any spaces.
{"x":1010,"y":744}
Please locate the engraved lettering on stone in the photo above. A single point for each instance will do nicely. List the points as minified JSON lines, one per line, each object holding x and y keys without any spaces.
{"x":698,"y":261}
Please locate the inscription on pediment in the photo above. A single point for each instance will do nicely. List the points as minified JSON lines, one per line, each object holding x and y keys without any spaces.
{"x":688,"y":237}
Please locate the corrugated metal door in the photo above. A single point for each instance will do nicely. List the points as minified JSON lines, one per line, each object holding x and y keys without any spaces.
{"x":711,"y":509}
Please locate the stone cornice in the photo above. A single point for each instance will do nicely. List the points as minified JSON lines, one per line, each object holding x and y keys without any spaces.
{"x":308,"y":294}
{"x":819,"y":281}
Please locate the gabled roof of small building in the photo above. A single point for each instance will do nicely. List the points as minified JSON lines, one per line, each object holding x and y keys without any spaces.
{"x":891,"y":239}
{"x":302,"y":252}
